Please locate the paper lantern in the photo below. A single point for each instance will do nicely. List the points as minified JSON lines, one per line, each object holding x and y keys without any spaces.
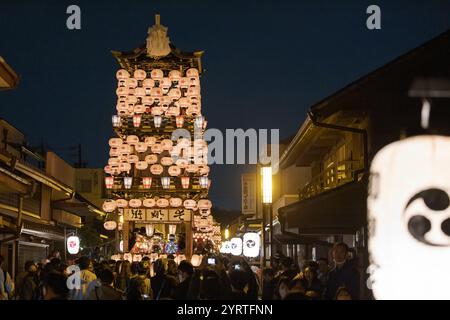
{"x":114,"y":152}
{"x":409,"y":219}
{"x":225,"y":247}
{"x":151,"y":158}
{"x":135,"y":203}
{"x":132,"y":83}
{"x":165,"y":102}
{"x":132,"y":139}
{"x":109,"y":182}
{"x":122,"y":74}
{"x":132,"y":158}
{"x":203,"y":181}
{"x":110,"y":225}
{"x":109,"y":205}
{"x":122,"y":91}
{"x":157,"y":111}
{"x":147,"y":101}
{"x":140,"y":74}
{"x":156,"y":93}
{"x":192,"y":168}
{"x":184,"y":103}
{"x":166,"y":144}
{"x":251,"y":244}
{"x":124,"y":167}
{"x":157,"y":121}
{"x":131,"y":100}
{"x":141,"y":147}
{"x":165,"y":84}
{"x":115,"y":142}
{"x":157,"y":148}
{"x":121,"y":203}
{"x":139,"y":109}
{"x":183,"y":83}
{"x":115,"y":121}
{"x":139,"y":92}
{"x":141,"y":165}
{"x":149,"y":229}
{"x":174,"y":171}
{"x":150,"y":141}
{"x":166,"y":161}
{"x":174,"y":94}
{"x":108,"y":169}
{"x":182,"y":163}
{"x":147,"y":182}
{"x":184,"y":143}
{"x":175,"y":202}
{"x":172,"y":111}
{"x":174,"y":75}
{"x":193,"y":91}
{"x":204,"y":170}
{"x":236,"y":246}
{"x":205,"y":212}
{"x":165,"y":182}
{"x":157,"y":74}
{"x":127,"y":182}
{"x":148,"y":83}
{"x":120,"y":246}
{"x":192,"y":73}
{"x":156,"y":169}
{"x":179,"y":120}
{"x":190,"y":204}
{"x":149,"y":203}
{"x":162,"y":203}
{"x":204,"y":204}
{"x":185,"y":182}
{"x":196,"y":260}
{"x":73,"y":245}
{"x":199,"y":122}
{"x":113,"y":161}
{"x":175,"y":151}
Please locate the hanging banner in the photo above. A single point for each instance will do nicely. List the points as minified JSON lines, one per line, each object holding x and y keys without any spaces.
{"x":157,"y":215}
{"x":248,"y":181}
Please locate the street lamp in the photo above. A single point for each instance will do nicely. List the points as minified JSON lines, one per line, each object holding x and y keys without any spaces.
{"x":165,"y":181}
{"x":266,"y":173}
{"x":227,"y":234}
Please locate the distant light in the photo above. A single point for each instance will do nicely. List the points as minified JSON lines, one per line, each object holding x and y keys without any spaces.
{"x":266,"y":173}
{"x":73,"y":244}
{"x":157,"y":120}
{"x":236,"y":246}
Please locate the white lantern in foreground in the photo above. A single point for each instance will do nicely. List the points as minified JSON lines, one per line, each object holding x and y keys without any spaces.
{"x":73,"y":244}
{"x":409,"y":219}
{"x":226,"y":247}
{"x":196,"y":260}
{"x":236,"y":246}
{"x":251,"y":244}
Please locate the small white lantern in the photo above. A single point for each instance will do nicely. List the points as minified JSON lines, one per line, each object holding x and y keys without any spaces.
{"x":156,"y":169}
{"x":122,"y":74}
{"x":109,"y":205}
{"x":141,"y":165}
{"x":204,"y":182}
{"x":135,"y":203}
{"x":157,"y":74}
{"x":149,"y":203}
{"x":199,"y":122}
{"x":147,"y":182}
{"x":132,"y":140}
{"x":175,"y":202}
{"x":140,"y":74}
{"x":409,"y":219}
{"x":115,"y":121}
{"x":109,"y":182}
{"x":121,"y":203}
{"x":151,"y":158}
{"x":150,"y":141}
{"x":73,"y":244}
{"x":251,"y":244}
{"x":185,"y":182}
{"x":110,"y":225}
{"x":127,"y":182}
{"x":165,"y":182}
{"x":174,"y":171}
{"x":141,"y":147}
{"x":236,"y":246}
{"x":190,"y":204}
{"x":157,"y":121}
{"x":196,"y":260}
{"x":162,"y":203}
{"x":115,"y":142}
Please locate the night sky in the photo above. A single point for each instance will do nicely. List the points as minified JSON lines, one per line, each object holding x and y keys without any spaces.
{"x":266,"y":63}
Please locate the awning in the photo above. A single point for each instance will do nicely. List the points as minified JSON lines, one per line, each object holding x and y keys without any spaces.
{"x":79,"y":206}
{"x":292,"y":238}
{"x":341,"y":210}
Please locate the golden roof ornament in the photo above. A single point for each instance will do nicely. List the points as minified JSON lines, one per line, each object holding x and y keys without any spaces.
{"x":157,"y":40}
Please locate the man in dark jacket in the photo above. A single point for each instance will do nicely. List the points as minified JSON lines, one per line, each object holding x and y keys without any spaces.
{"x":185,"y":271}
{"x":344,"y":274}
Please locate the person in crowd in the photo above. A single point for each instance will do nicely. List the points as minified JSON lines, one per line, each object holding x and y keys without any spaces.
{"x":322,"y":271}
{"x":55,"y":286}
{"x":28,"y":288}
{"x":124,"y":276}
{"x":296,"y":289}
{"x":268,"y":284}
{"x":185,"y":272}
{"x":282,"y":289}
{"x":238,"y":280}
{"x":117,"y":268}
{"x":105,"y":289}
{"x":134,"y":268}
{"x":144,"y":282}
{"x":29,"y":266}
{"x":162,"y":284}
{"x":343,"y":274}
{"x":86,"y":276}
{"x":311,"y":283}
{"x":137,"y":290}
{"x":286,"y":268}
{"x":342,"y":294}
{"x":6,"y":283}
{"x":251,"y":287}
{"x":172,"y":268}
{"x":209,"y":285}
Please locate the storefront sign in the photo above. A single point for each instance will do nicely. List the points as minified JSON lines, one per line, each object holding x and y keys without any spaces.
{"x":157,"y":215}
{"x":248,"y":193}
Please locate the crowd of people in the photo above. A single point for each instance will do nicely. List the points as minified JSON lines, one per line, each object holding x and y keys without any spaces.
{"x":218,"y":277}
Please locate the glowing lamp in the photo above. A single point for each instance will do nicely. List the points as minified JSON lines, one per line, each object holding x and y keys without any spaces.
{"x":179,"y":121}
{"x":147,"y":182}
{"x":409,"y":219}
{"x":127,"y":182}
{"x":110,"y":225}
{"x":266,"y":173}
{"x":165,"y":182}
{"x":115,"y":121}
{"x":137,"y":120}
{"x":157,"y":121}
{"x":236,"y":246}
{"x":203,"y":181}
{"x":199,"y":122}
{"x":196,"y":260}
{"x":251,"y":244}
{"x":185,"y":182}
{"x":73,"y":244}
{"x":109,"y":182}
